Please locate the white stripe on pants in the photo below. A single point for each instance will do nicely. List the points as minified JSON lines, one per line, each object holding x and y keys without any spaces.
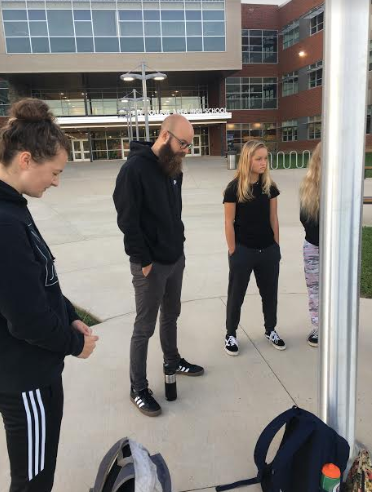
{"x":36,"y":456}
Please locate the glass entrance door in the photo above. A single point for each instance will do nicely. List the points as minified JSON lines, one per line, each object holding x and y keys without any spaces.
{"x":80,"y":150}
{"x":196,"y":147}
{"x":124,"y":148}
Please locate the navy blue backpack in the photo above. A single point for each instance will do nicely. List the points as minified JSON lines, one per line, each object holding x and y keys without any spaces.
{"x":308,"y":444}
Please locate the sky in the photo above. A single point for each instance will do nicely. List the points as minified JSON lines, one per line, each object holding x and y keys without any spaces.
{"x":265,"y":2}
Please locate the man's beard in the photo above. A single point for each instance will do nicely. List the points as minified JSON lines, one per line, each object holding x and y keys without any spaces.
{"x":170,"y":162}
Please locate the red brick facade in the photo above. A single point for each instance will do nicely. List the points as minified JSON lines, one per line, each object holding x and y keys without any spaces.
{"x":306,"y":102}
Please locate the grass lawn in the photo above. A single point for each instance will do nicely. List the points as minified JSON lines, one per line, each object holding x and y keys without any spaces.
{"x":87,"y":318}
{"x":366,"y":278}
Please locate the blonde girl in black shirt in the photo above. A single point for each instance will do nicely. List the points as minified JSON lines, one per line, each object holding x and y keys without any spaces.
{"x":252,"y":236}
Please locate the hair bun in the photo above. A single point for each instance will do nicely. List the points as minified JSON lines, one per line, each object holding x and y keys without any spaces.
{"x":32,"y":110}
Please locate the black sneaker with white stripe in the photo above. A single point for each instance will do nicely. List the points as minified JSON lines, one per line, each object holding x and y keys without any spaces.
{"x":312,"y":339}
{"x":187,"y":369}
{"x":231,"y":345}
{"x":145,"y":402}
{"x":275,"y":340}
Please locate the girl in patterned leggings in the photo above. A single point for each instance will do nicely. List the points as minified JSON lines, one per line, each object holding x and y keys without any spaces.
{"x":309,"y":216}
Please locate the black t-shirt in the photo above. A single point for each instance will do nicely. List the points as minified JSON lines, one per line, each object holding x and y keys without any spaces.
{"x":252,"y":218}
{"x":311,"y":229}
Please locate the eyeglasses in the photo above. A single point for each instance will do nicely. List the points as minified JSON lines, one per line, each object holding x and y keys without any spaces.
{"x":183,"y":144}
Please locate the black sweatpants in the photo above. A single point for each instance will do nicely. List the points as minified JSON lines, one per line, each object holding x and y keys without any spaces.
{"x":265,"y":265}
{"x":32,"y":422}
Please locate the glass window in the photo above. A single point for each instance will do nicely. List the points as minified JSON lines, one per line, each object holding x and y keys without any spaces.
{"x":173,"y":29}
{"x":129,"y":15}
{"x":172,"y":15}
{"x":151,"y":14}
{"x":14,"y":15}
{"x":85,"y":45}
{"x":213,"y":15}
{"x":38,"y":29}
{"x":214,"y":28}
{"x":62,"y":45}
{"x":107,"y":45}
{"x":36,"y":15}
{"x":152,"y":28}
{"x":314,"y":127}
{"x":83,"y":29}
{"x":16,"y":28}
{"x":255,"y":43}
{"x":131,"y":29}
{"x":193,"y":15}
{"x":60,"y":23}
{"x":214,"y":44}
{"x":289,"y":84}
{"x":317,"y":23}
{"x":40,"y":45}
{"x":315,"y":74}
{"x":251,"y":93}
{"x":131,"y":45}
{"x":194,"y":28}
{"x":194,"y":44}
{"x":289,"y":131}
{"x":153,"y":45}
{"x":291,"y":37}
{"x":174,"y":44}
{"x":82,"y":15}
{"x":259,"y":46}
{"x":369,"y":119}
{"x":18,"y":45}
{"x":104,"y":22}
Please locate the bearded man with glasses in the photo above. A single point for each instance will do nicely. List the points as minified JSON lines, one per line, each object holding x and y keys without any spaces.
{"x":148,"y":202}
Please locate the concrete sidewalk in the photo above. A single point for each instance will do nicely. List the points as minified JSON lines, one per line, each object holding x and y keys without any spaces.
{"x":208,"y":435}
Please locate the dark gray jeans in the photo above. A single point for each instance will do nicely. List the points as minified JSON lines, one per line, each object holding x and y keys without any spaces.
{"x":160,"y":289}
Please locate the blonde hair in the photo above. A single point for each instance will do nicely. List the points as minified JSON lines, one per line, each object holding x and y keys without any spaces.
{"x":243,"y":174}
{"x":310,"y":187}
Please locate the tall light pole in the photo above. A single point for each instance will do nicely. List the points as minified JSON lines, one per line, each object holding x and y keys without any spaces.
{"x":343,"y":145}
{"x":126,"y":99}
{"x":130,"y":76}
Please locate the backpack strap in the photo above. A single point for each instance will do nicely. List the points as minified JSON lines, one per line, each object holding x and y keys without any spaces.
{"x":267,"y":436}
{"x":262,"y":448}
{"x":289,"y":448}
{"x":235,"y":485}
{"x":125,"y":474}
{"x":112,"y":455}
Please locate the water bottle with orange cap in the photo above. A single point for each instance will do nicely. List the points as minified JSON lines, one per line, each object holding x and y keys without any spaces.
{"x":331,"y":478}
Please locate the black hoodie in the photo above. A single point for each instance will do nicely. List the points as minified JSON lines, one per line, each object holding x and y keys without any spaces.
{"x":35,"y":318}
{"x":149,"y":206}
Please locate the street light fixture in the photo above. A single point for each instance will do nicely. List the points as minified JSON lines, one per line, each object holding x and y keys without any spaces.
{"x":130,"y":77}
{"x":128,"y":100}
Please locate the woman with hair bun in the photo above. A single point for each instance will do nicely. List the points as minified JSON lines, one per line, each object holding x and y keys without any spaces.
{"x":252,"y":236}
{"x":38,"y":325}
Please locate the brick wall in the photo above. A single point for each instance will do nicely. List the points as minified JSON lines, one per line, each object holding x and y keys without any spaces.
{"x":304,"y":103}
{"x":295,"y":9}
{"x":216,"y":147}
{"x":299,"y":146}
{"x":260,"y":16}
{"x":289,"y":60}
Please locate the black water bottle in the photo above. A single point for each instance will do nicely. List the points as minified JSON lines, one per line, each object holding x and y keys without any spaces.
{"x":170,"y":383}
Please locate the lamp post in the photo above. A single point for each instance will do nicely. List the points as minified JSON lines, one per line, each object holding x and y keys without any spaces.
{"x":126,"y":99}
{"x":130,"y":76}
{"x":126,"y":112}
